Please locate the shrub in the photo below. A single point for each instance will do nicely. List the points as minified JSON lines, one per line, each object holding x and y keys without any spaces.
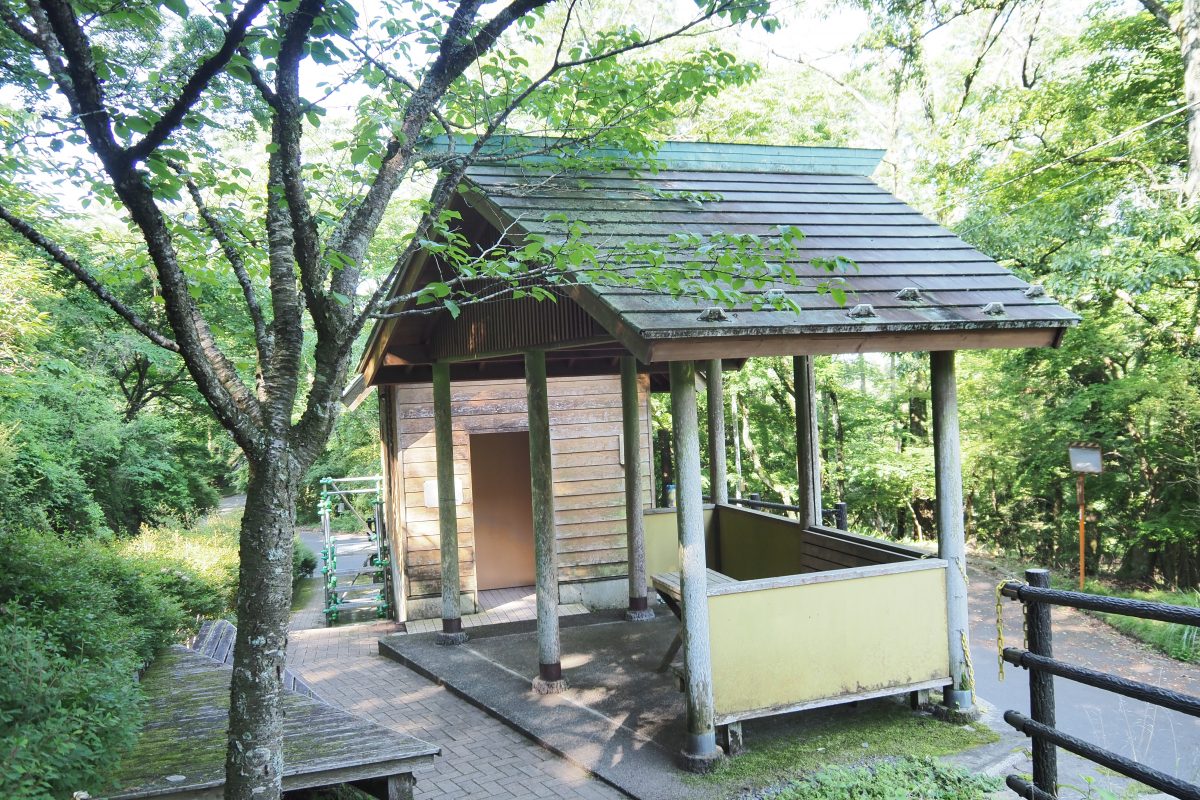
{"x":197,"y":566}
{"x":304,"y":560}
{"x":61,"y":718}
{"x":76,"y":621}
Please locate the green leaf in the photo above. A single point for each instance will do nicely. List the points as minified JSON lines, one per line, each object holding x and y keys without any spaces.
{"x":178,"y":7}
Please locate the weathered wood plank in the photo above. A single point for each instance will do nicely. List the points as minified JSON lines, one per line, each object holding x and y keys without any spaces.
{"x":183,"y":734}
{"x":808,"y":578}
{"x":811,"y":300}
{"x":868,"y":341}
{"x":821,"y":320}
{"x":618,"y":205}
{"x":988,"y":279}
{"x":919,"y":231}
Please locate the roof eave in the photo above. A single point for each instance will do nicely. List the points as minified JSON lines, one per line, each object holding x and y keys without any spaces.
{"x":582,"y":294}
{"x":878,"y":340}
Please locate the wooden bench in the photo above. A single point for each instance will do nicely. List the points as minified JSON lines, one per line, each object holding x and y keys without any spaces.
{"x":669,"y":586}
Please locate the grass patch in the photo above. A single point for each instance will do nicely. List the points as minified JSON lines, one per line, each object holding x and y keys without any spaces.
{"x":779,"y":750}
{"x":1181,"y":642}
{"x":302,"y":592}
{"x":919,"y":778}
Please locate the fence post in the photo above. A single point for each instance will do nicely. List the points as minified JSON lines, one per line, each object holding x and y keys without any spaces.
{"x":1041,"y":684}
{"x":839,"y":514}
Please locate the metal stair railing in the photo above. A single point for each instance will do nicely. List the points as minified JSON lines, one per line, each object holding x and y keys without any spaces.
{"x":364,"y":580}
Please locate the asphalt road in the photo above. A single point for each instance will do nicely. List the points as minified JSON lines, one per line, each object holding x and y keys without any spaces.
{"x":1166,"y":740}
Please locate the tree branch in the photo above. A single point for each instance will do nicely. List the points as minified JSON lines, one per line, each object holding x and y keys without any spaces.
{"x":77,"y":270}
{"x":286,"y":133}
{"x":215,"y":375}
{"x":78,"y":81}
{"x":1162,"y":14}
{"x":189,"y":95}
{"x":359,"y":223}
{"x":262,"y":337}
{"x":256,"y":78}
{"x":13,"y":23}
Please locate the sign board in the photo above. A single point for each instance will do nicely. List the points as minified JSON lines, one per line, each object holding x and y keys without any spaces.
{"x":1086,"y":458}
{"x":431,"y":493}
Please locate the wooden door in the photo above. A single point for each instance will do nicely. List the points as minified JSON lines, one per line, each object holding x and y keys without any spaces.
{"x":503,"y":507}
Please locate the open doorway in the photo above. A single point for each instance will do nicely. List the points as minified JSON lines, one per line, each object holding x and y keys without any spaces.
{"x":503,"y":503}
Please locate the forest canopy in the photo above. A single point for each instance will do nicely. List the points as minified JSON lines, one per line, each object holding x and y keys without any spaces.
{"x":206,"y":206}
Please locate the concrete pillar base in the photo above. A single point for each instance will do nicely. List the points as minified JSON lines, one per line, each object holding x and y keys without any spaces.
{"x":956,"y":707}
{"x":704,"y":761}
{"x":639,"y":614}
{"x":956,"y":716}
{"x":450,"y":639}
{"x":543,"y":686}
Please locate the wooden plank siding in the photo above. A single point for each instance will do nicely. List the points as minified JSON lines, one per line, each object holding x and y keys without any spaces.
{"x":589,"y":485}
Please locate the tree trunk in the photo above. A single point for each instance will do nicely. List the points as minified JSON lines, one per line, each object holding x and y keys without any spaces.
{"x":839,"y":441}
{"x":1189,"y":36}
{"x":666,"y":466}
{"x":255,"y":764}
{"x":918,"y":415}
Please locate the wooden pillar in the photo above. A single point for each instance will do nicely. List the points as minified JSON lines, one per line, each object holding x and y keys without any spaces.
{"x":393,"y":501}
{"x":700,"y":747}
{"x":443,"y":439}
{"x":739,"y":483}
{"x":400,"y":787}
{"x":808,"y":443}
{"x":718,"y":478}
{"x":639,"y":607}
{"x":951,"y":535}
{"x":541,"y":476}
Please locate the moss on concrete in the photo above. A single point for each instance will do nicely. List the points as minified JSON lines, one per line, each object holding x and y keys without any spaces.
{"x":777,"y":752}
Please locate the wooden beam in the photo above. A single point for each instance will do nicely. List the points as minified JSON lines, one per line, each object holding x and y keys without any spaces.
{"x":817,"y":343}
{"x":947,"y":463}
{"x":639,"y":607}
{"x":808,"y":442}
{"x":443,"y":437}
{"x":718,"y":478}
{"x":541,"y":475}
{"x":700,"y":747}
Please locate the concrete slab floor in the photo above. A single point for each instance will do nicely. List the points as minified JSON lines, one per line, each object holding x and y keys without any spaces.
{"x":619,"y":719}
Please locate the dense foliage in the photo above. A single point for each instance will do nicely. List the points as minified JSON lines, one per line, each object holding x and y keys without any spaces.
{"x":77,"y":620}
{"x":1061,"y":150}
{"x":98,"y":435}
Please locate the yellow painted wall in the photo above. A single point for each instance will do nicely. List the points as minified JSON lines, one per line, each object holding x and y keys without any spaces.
{"x":754,"y":545}
{"x":662,"y":540}
{"x":784,"y":646}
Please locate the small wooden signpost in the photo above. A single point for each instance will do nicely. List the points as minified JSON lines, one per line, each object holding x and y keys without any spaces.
{"x":1085,"y":458}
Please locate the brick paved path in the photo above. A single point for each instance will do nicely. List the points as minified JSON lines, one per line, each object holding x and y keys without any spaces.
{"x":481,"y":757}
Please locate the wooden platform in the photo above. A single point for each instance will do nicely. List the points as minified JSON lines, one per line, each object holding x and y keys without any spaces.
{"x":215,"y":639}
{"x":181,"y":750}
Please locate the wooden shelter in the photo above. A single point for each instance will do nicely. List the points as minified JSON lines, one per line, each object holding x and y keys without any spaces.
{"x":570,"y":380}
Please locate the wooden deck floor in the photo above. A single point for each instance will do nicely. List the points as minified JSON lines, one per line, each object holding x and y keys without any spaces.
{"x":181,"y":750}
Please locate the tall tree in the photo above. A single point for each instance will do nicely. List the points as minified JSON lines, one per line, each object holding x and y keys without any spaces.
{"x":162,"y":118}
